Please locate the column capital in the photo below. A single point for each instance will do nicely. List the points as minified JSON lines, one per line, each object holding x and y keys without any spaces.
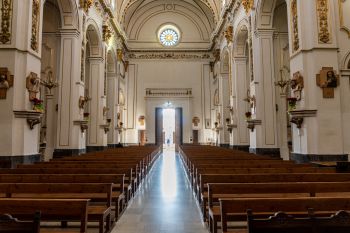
{"x":69,"y":33}
{"x":264,"y":32}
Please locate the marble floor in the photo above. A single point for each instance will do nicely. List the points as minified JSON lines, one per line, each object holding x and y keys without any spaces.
{"x":164,"y":204}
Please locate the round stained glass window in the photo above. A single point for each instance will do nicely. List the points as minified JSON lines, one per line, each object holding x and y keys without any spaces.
{"x":169,"y":37}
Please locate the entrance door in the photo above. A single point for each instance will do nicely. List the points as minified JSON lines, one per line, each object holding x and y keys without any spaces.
{"x":195,"y":137}
{"x":178,"y":128}
{"x":159,"y":127}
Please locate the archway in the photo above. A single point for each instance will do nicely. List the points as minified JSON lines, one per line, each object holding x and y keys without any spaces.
{"x":242,"y":87}
{"x":94,"y":87}
{"x":50,"y":69}
{"x":282,"y":72}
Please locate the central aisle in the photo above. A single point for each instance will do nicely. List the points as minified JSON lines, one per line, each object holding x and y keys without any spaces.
{"x":164,"y":204}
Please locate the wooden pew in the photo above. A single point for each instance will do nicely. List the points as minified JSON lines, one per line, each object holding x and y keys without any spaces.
{"x":254,"y":190}
{"x":51,"y":210}
{"x":283,"y":222}
{"x":263,"y":207}
{"x":100,"y":196}
{"x":8,"y":224}
{"x":263,"y":178}
{"x":116,"y":179}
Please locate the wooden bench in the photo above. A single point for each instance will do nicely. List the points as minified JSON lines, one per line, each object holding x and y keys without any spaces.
{"x":116,"y":179}
{"x":100,"y":196}
{"x":51,"y":210}
{"x":283,"y":222}
{"x":235,"y":209}
{"x":258,"y":190}
{"x":8,"y":224}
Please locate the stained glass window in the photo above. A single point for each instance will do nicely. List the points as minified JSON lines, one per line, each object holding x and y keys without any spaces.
{"x":169,"y":37}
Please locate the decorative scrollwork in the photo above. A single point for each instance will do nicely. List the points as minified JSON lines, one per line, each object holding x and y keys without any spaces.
{"x":106,"y":33}
{"x":294,"y":10}
{"x":248,"y":5}
{"x":322,"y":17}
{"x":6,"y":15}
{"x":86,"y":4}
{"x":35,"y":25}
{"x":228,"y":33}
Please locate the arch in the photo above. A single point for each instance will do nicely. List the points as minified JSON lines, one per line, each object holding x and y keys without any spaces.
{"x":94,"y":39}
{"x":69,"y":13}
{"x":225,"y":61}
{"x":240,"y":38}
{"x":265,"y":12}
{"x":111,"y":61}
{"x":346,"y":61}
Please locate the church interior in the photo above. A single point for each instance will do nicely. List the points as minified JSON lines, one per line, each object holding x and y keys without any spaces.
{"x":164,"y":116}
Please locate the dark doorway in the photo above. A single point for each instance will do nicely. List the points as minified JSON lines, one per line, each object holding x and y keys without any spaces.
{"x":178,"y":128}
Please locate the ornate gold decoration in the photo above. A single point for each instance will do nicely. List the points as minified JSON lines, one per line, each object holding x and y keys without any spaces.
{"x":35,"y":25}
{"x":295,"y":28}
{"x":297,"y":84}
{"x":6,"y":81}
{"x":6,"y":21}
{"x":33,"y":85}
{"x":119,"y":54}
{"x":106,"y":33}
{"x":195,"y":121}
{"x":322,"y":17}
{"x":142,"y":120}
{"x":83,"y":100}
{"x":216,"y":55}
{"x":328,"y":80}
{"x":86,"y":4}
{"x":248,"y":5}
{"x":168,"y":55}
{"x":228,"y":33}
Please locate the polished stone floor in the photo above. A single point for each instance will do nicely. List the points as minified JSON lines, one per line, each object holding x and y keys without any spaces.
{"x":164,"y":204}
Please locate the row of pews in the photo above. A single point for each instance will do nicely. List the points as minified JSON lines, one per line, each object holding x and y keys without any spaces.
{"x":94,"y":188}
{"x":244,"y":192}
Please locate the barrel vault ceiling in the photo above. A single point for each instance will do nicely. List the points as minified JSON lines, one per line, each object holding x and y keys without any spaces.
{"x":142,"y":19}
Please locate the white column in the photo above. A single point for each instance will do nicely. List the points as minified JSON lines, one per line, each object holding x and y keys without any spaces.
{"x":70,"y":139}
{"x":112,"y":103}
{"x":320,"y":136}
{"x":18,"y":142}
{"x":264,"y":137}
{"x":51,"y":120}
{"x":241,"y":132}
{"x":97,"y":139}
{"x":224,"y":91}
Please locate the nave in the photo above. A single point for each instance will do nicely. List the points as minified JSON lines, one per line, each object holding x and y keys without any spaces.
{"x":164,"y":204}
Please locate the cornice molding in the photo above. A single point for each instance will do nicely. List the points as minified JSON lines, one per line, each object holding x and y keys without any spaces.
{"x":170,"y":55}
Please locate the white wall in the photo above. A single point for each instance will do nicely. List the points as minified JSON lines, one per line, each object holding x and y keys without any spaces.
{"x":166,"y":74}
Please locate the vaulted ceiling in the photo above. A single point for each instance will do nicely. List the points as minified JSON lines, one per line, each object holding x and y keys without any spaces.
{"x":142,"y":19}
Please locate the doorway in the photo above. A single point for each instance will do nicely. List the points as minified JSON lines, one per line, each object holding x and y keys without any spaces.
{"x":168,"y":127}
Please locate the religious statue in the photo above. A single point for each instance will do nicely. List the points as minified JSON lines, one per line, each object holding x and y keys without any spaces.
{"x":33,"y":85}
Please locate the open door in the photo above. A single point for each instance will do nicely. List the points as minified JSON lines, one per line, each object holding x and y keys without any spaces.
{"x":159,"y":127}
{"x":178,"y":128}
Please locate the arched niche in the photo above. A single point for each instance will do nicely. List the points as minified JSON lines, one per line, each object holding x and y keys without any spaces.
{"x":265,"y":12}
{"x":94,"y":39}
{"x":68,"y":13}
